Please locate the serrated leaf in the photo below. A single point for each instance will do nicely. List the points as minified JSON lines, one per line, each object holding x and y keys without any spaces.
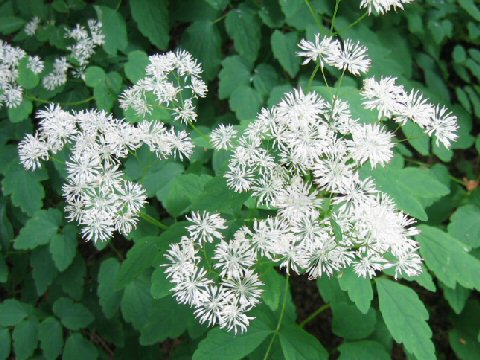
{"x":465,"y":225}
{"x":39,"y":229}
{"x":222,"y":345}
{"x":359,"y":289}
{"x":297,"y":344}
{"x":73,"y":278}
{"x":265,"y":78}
{"x":109,"y":298}
{"x":361,"y":350}
{"x":25,"y":338}
{"x":12,"y":312}
{"x":152,"y":20}
{"x":406,"y":318}
{"x":456,"y":297}
{"x":448,"y":258}
{"x":161,"y":286}
{"x":350,"y":323}
{"x":73,"y":316}
{"x":43,"y":269}
{"x":243,"y":26}
{"x":79,"y":348}
{"x":114,"y":28}
{"x":235,"y":72}
{"x":245,"y":102}
{"x":202,"y":39}
{"x":63,"y":247}
{"x":50,"y":334}
{"x":136,"y":65}
{"x":25,"y":189}
{"x":284,"y":48}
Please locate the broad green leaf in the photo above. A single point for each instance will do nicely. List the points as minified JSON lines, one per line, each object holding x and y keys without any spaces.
{"x":3,"y":268}
{"x":114,"y":28}
{"x":25,"y":338}
{"x":202,"y":39}
{"x":265,"y":78}
{"x":222,"y":345}
{"x":12,"y":312}
{"x":50,"y":334}
{"x":94,"y":76}
{"x":4,"y":344}
{"x":73,"y":316}
{"x":21,"y":112}
{"x":243,"y":26}
{"x":271,"y":14}
{"x":109,"y":298}
{"x":464,"y":337}
{"x":139,"y":258}
{"x":448,"y":258}
{"x":161,"y":286}
{"x":79,"y":348}
{"x":297,"y":344}
{"x":406,"y":318}
{"x":63,"y":247}
{"x":39,"y":229}
{"x":25,"y":189}
{"x":43,"y":269}
{"x":456,"y":297}
{"x":10,"y":24}
{"x":26,"y":77}
{"x":73,"y":278}
{"x":417,"y":138}
{"x":136,"y":302}
{"x":273,"y":287}
{"x":471,"y":9}
{"x":361,"y":350}
{"x":235,"y":72}
{"x":350,"y":323}
{"x":152,"y":20}
{"x":465,"y":225}
{"x":284,"y":47}
{"x":136,"y":65}
{"x":245,"y":102}
{"x":359,"y":289}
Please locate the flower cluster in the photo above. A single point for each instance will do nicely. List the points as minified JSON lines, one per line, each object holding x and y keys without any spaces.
{"x":233,"y":288}
{"x":392,"y":100}
{"x":84,"y":43}
{"x":382,"y":6}
{"x":97,"y":195}
{"x":11,"y":93}
{"x":345,"y":56}
{"x":172,"y":81}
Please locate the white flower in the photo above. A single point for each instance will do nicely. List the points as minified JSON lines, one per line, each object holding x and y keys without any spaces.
{"x":443,"y":126}
{"x":352,"y":57}
{"x":318,"y":50}
{"x":245,"y":287}
{"x":209,"y":309}
{"x":222,"y":137}
{"x":371,"y":143}
{"x":335,"y":174}
{"x":35,"y":64}
{"x":192,"y":286}
{"x":185,"y":113}
{"x":234,"y":257}
{"x":383,"y":96}
{"x":31,"y":150}
{"x":32,"y":26}
{"x":205,"y":227}
{"x":382,"y":6}
{"x":233,"y":317}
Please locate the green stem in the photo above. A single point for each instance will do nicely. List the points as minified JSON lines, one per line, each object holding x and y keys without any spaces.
{"x":310,"y":80}
{"x":314,"y":314}
{"x":280,"y":318}
{"x":46,"y":101}
{"x":152,"y":220}
{"x":356,"y":22}
{"x":337,"y":3}
{"x":314,"y":15}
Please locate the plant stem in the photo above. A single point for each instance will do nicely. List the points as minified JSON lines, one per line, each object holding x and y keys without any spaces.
{"x":314,"y":15}
{"x":314,"y":314}
{"x":337,"y":2}
{"x":280,"y":318}
{"x":72,"y":103}
{"x":152,"y":220}
{"x":310,"y":80}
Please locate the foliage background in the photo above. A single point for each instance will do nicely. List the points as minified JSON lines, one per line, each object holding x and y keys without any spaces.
{"x":62,"y":297}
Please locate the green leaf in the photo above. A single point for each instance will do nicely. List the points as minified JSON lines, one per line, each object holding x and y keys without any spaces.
{"x":471,"y":9}
{"x":406,"y":318}
{"x":284,"y":47}
{"x":202,"y":39}
{"x":39,"y":229}
{"x":73,"y":316}
{"x":10,"y":24}
{"x":243,"y":26}
{"x":114,"y":28}
{"x":297,"y":344}
{"x":109,"y":298}
{"x":21,"y":112}
{"x":222,"y":345}
{"x":265,"y":78}
{"x":464,"y":337}
{"x":26,"y":77}
{"x":79,"y":348}
{"x":43,"y":269}
{"x":151,"y":17}
{"x":245,"y":102}
{"x":465,"y":225}
{"x":25,"y":338}
{"x":456,"y":297}
{"x":137,"y":302}
{"x":94,"y":76}
{"x":448,"y":258}
{"x":12,"y":312}
{"x":136,"y":65}
{"x":273,"y":287}
{"x":25,"y":189}
{"x":4,"y":344}
{"x":161,"y":286}
{"x":359,"y":289}
{"x":50,"y":334}
{"x":361,"y":350}
{"x":235,"y":72}
{"x":139,"y":258}
{"x":417,"y":137}
{"x":350,"y":323}
{"x":63,"y":247}
{"x":73,"y":278}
